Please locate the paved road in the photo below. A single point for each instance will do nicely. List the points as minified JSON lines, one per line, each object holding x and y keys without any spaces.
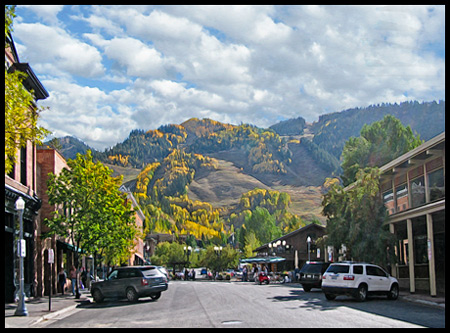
{"x":222,"y":304}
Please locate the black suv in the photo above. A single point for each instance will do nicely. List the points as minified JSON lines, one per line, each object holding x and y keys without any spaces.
{"x":311,"y":274}
{"x":131,"y":282}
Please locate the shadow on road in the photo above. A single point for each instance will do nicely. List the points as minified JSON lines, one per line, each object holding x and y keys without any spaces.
{"x":379,"y":305}
{"x":112,"y":303}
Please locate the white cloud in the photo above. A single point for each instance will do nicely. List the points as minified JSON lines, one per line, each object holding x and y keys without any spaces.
{"x":151,"y":65}
{"x":47,"y":13}
{"x":55,"y":47}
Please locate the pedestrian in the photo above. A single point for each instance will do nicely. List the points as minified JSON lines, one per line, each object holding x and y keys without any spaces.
{"x":73,"y":278}
{"x":62,"y":279}
{"x":244,"y":273}
{"x":193,"y":274}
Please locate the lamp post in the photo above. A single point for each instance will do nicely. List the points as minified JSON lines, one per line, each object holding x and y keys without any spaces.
{"x":187,"y":251}
{"x":218,"y":250}
{"x":21,"y":308}
{"x":308,"y":240}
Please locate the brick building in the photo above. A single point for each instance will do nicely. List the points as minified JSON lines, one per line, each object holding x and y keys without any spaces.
{"x":21,"y":182}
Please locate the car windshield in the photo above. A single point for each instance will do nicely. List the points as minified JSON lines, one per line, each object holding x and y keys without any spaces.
{"x":338,"y":269}
{"x":311,"y":268}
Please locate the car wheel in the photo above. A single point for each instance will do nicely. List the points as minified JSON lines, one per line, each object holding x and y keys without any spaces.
{"x":97,"y":295}
{"x":155,"y":296}
{"x":132,"y":295}
{"x":307,"y":288}
{"x":393,"y":293}
{"x":361,"y":293}
{"x":330,"y":297}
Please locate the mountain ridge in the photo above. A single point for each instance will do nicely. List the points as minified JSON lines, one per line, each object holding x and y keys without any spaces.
{"x":292,"y":155}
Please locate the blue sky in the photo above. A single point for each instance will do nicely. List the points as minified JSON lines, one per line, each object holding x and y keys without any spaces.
{"x":111,"y":69}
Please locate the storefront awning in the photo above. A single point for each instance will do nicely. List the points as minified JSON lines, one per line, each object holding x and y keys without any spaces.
{"x":69,"y":247}
{"x":262,"y":260}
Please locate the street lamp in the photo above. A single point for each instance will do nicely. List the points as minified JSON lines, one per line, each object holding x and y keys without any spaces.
{"x":218,"y":250}
{"x":21,"y":308}
{"x":188,"y":250}
{"x":308,"y":240}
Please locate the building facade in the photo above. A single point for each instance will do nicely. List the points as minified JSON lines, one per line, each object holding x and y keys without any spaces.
{"x":49,"y":161}
{"x":21,"y":182}
{"x":295,"y":249}
{"x":413,"y":190}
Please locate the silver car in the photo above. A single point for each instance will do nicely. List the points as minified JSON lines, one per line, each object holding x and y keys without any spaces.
{"x":131,"y":283}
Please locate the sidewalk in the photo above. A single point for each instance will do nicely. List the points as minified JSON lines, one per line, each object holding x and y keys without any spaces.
{"x":421,"y":298}
{"x":38,"y":309}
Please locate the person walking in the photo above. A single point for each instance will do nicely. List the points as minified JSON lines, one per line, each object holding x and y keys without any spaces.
{"x":244,"y":273}
{"x":73,"y":278}
{"x":62,"y":279}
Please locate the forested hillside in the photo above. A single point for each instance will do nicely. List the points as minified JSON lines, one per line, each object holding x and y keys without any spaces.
{"x":333,"y":129}
{"x":212,"y":180}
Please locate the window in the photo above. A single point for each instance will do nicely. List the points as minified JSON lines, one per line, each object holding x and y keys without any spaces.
{"x":338,"y":269}
{"x":128,"y":273}
{"x":402,"y":245}
{"x":436,"y":184}
{"x":417,"y":191}
{"x":113,"y":275}
{"x":376,"y":271}
{"x":23,"y":165}
{"x":357,"y":269}
{"x":419,"y":225}
{"x":388,"y":200}
{"x":420,"y":249}
{"x":401,"y":192}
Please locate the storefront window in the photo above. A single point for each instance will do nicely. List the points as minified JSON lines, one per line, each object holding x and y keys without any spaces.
{"x":417,"y":191}
{"x":388,"y":200}
{"x":436,"y":184}
{"x":402,"y":197}
{"x":402,"y":245}
{"x":420,"y":240}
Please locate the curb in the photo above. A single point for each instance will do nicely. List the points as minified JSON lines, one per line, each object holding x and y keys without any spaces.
{"x":422,"y":301}
{"x":53,"y":314}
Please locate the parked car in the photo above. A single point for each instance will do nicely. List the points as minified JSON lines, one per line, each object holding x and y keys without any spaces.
{"x":358,"y":280}
{"x":163,"y":270}
{"x":131,"y":283}
{"x":310,"y":276}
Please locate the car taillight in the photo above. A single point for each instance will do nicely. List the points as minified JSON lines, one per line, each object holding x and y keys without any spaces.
{"x":144,"y":282}
{"x":323,"y":277}
{"x":349,"y":277}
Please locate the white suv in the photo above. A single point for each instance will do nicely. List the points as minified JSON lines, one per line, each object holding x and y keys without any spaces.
{"x":358,"y":279}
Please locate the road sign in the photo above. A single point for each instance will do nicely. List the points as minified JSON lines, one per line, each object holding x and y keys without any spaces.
{"x":22,"y":248}
{"x":51,"y":256}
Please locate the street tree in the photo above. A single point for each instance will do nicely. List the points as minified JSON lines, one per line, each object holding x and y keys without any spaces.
{"x":92,"y":212}
{"x":21,"y":113}
{"x":377,"y":144}
{"x":356,"y":218}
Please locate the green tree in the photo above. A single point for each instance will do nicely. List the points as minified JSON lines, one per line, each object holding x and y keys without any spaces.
{"x":228,"y":258}
{"x":378,"y":143}
{"x":263,"y":225}
{"x":251,"y":243}
{"x":92,"y":212}
{"x":356,"y":218}
{"x":21,"y":114}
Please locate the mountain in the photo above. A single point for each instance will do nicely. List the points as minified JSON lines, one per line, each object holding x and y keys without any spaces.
{"x":69,"y":146}
{"x":290,"y":126}
{"x":202,"y":177}
{"x":333,"y":129}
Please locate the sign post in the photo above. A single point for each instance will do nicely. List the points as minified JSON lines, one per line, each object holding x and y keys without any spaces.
{"x":51,"y":260}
